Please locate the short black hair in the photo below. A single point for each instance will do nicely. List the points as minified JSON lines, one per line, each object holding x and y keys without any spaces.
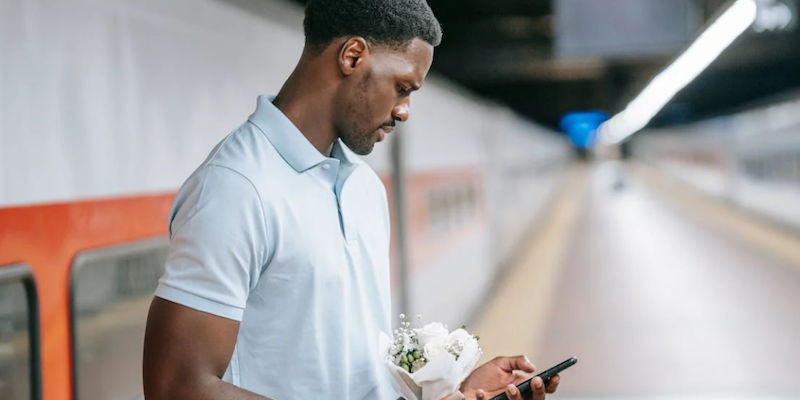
{"x":388,"y":22}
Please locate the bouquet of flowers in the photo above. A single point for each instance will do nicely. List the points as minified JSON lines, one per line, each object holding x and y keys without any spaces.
{"x":429,"y":363}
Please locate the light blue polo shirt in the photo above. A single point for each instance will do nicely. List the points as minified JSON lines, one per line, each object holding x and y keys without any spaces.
{"x":295,"y":246}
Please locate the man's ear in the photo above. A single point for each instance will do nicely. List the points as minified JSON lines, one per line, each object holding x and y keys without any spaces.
{"x":352,"y":54}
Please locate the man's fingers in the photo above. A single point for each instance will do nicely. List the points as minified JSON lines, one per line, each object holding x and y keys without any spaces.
{"x":553,"y":386}
{"x":537,"y":385}
{"x":520,"y":363}
{"x":480,"y":395}
{"x":521,"y":377}
{"x":513,"y":393}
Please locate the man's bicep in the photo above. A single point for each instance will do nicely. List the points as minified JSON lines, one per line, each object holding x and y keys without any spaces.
{"x":184,"y":346}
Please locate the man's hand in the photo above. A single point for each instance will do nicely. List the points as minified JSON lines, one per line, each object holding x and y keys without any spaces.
{"x":503,"y":374}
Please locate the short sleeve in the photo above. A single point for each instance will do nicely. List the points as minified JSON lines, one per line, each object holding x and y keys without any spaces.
{"x":218,"y":243}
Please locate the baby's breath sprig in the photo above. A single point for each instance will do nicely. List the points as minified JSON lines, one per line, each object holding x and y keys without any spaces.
{"x":405,"y":350}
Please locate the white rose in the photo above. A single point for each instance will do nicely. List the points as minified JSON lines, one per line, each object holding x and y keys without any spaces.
{"x":461,"y":336}
{"x":435,"y":331}
{"x":435,"y":348}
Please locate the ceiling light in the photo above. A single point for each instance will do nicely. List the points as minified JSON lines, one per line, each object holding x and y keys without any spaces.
{"x":705,"y":49}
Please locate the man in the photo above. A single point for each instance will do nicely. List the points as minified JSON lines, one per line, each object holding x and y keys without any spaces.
{"x":277,"y":281}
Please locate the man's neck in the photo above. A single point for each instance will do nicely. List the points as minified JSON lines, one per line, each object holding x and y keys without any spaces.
{"x":308,"y":104}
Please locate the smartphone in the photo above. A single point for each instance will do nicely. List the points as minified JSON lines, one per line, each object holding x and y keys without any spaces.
{"x":525,"y":387}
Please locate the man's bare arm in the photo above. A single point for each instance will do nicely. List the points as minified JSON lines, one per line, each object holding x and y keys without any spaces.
{"x":186,"y":353}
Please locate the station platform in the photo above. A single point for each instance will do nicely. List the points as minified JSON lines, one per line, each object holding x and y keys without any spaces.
{"x":659,"y":291}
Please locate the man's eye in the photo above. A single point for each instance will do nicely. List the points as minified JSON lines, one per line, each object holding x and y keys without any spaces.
{"x":402,"y":91}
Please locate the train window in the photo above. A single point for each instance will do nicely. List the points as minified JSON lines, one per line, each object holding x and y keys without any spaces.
{"x":110,"y":295}
{"x":450,"y":207}
{"x":435,"y":211}
{"x":472,"y":201}
{"x":19,"y":335}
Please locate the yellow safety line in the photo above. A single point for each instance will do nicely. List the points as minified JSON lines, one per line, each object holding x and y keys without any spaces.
{"x":513,"y":319}
{"x":710,"y":211}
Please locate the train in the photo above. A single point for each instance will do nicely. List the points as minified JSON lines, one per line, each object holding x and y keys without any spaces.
{"x":107,"y":106}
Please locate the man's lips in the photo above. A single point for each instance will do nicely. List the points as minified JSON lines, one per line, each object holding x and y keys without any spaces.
{"x":384,"y":131}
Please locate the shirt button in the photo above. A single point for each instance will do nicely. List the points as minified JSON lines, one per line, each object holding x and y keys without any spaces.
{"x":326,"y":166}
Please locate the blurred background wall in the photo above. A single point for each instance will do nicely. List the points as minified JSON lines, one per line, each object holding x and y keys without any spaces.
{"x":750,"y":158}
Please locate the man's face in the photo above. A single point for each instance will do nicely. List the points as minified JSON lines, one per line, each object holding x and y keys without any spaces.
{"x":378,"y":95}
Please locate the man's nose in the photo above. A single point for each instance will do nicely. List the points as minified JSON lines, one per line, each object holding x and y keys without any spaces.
{"x":400,"y":111}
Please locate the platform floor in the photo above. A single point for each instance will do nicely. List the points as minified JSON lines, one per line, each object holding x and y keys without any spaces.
{"x":661,"y":293}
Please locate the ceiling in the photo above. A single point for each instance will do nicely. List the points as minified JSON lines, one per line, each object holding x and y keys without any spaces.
{"x":507,"y":50}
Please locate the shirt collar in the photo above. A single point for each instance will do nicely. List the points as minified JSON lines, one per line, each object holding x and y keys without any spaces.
{"x":343,"y":154}
{"x":290,"y":143}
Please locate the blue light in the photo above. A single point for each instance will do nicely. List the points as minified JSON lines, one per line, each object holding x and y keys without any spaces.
{"x":581,"y":127}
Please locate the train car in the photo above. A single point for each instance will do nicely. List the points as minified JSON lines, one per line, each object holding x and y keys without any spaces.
{"x":107,"y":106}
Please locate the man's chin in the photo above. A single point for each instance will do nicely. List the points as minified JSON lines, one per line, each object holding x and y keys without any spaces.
{"x":361,"y":150}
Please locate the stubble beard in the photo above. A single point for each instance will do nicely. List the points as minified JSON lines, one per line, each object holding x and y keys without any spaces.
{"x":357,"y":138}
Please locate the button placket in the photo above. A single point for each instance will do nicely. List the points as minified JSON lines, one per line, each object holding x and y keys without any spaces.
{"x":331,"y":170}
{"x":328,"y":171}
{"x":344,"y":214}
{"x":344,"y":211}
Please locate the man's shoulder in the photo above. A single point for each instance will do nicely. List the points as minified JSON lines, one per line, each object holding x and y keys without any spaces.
{"x":247,"y":152}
